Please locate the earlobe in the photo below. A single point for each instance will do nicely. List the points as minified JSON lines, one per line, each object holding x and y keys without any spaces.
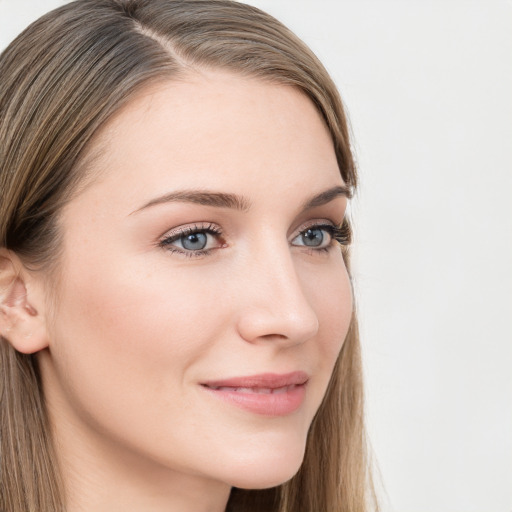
{"x":21,"y":324}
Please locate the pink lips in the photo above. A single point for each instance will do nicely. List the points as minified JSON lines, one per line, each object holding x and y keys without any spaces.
{"x":268,"y":394}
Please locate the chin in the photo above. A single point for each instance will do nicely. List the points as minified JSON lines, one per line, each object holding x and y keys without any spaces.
{"x":266,"y":472}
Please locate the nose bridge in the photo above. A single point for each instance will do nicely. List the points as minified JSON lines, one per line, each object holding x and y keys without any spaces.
{"x":276,"y":305}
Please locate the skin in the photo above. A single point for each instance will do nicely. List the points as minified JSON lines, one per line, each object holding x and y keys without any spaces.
{"x":136,"y":327}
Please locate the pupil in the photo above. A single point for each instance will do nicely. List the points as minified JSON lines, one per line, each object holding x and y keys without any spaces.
{"x":194,"y":241}
{"x":313,"y":237}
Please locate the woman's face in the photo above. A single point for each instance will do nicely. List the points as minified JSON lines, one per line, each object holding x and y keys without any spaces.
{"x":202,"y":300}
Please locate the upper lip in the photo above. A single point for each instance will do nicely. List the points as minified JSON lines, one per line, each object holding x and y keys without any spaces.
{"x":262,"y":380}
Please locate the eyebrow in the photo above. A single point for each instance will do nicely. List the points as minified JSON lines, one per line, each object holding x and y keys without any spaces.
{"x":327,"y":197}
{"x":203,"y":197}
{"x":237,"y":202}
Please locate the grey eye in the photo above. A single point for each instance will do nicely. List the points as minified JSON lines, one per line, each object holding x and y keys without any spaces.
{"x":316,"y":237}
{"x":194,"y":241}
{"x":312,"y":237}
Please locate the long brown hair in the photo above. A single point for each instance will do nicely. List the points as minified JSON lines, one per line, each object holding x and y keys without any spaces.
{"x":61,"y":80}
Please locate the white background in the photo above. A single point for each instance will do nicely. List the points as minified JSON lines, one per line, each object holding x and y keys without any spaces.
{"x":428,"y":87}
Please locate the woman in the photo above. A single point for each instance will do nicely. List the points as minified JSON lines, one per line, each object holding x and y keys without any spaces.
{"x":176,"y":315}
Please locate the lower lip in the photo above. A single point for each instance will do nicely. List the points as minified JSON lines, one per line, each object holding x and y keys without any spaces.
{"x":272,"y":404}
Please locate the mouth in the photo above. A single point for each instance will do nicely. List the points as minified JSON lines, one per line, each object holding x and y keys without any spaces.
{"x":265,"y":394}
{"x":262,"y":391}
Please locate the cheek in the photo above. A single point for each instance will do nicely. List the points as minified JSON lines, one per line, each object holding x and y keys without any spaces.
{"x":334,"y":304}
{"x":125,"y":331}
{"x":124,"y":354}
{"x":332,"y":298}
{"x":126,"y":311}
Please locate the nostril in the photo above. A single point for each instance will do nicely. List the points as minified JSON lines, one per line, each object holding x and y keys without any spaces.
{"x":273,"y":337}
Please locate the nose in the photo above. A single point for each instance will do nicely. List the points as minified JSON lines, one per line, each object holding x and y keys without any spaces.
{"x":274,"y":306}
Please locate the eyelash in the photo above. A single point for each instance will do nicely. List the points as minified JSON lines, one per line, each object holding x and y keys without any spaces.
{"x":169,"y":239}
{"x":340,"y":234}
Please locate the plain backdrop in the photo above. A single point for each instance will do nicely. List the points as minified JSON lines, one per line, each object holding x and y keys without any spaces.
{"x":428,"y":88}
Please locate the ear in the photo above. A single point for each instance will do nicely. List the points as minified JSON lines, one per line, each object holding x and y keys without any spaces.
{"x":22,"y":322}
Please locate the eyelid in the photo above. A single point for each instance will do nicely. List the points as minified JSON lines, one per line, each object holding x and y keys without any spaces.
{"x":190,"y":228}
{"x":312,"y":223}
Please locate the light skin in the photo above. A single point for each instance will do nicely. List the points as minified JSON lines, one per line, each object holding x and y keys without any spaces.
{"x":143,"y":316}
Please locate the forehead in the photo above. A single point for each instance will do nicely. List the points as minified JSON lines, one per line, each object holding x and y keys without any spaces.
{"x":212,"y":127}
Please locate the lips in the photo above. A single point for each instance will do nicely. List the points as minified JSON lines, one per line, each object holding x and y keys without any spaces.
{"x":267,"y":394}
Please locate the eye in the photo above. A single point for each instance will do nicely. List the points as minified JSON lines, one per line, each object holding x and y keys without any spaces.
{"x":316,"y":237}
{"x":322,"y":236}
{"x":194,"y":240}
